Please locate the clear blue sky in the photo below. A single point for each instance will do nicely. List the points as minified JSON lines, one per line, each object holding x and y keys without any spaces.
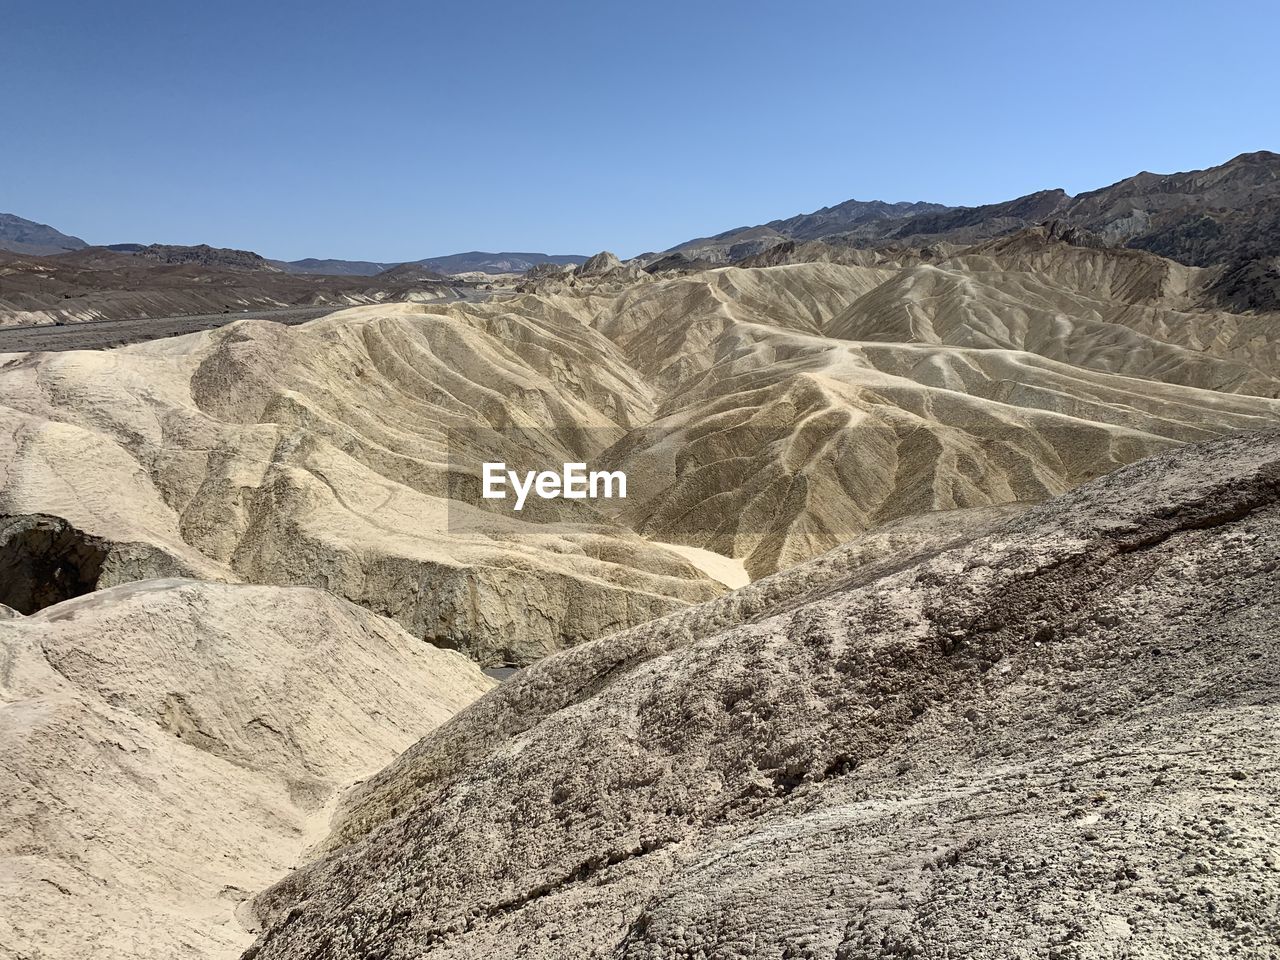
{"x":399,"y":130}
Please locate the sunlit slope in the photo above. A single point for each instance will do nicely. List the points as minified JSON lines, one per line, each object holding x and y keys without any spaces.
{"x":1022,"y":736}
{"x":793,"y":444}
{"x":1118,"y":311}
{"x":168,"y":748}
{"x":768,"y":413}
{"x":318,"y":455}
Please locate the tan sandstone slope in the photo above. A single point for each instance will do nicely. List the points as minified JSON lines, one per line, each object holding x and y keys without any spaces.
{"x":319,"y":455}
{"x":767,"y":413}
{"x":1053,"y":737}
{"x":168,"y":748}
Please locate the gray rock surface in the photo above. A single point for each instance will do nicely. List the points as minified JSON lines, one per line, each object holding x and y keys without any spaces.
{"x":602,"y":263}
{"x":1054,"y":739}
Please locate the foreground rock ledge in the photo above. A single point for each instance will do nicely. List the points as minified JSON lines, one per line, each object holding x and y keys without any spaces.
{"x":1058,"y":739}
{"x":170,"y":747}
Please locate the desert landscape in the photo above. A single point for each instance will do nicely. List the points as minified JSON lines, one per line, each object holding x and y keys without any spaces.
{"x":884,"y":573}
{"x":930,"y":607}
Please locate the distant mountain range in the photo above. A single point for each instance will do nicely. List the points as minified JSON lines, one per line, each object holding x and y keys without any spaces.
{"x":741,"y":242}
{"x":1228,"y":214}
{"x":476,"y":261}
{"x":19,"y":235}
{"x":334,"y":268}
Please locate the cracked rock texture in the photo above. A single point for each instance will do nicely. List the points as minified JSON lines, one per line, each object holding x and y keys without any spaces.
{"x":169,"y":747}
{"x":1055,"y":735}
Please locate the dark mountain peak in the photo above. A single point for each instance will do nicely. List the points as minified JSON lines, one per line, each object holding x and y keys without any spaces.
{"x":20,"y":235}
{"x":884,"y":208}
{"x":856,"y":218}
{"x":411,"y":273}
{"x":971,"y":224}
{"x":1051,"y":192}
{"x":1228,"y":214}
{"x":1032,"y":203}
{"x":1219,"y":215}
{"x":1259,"y":167}
{"x":847,"y":216}
{"x":1265,"y":157}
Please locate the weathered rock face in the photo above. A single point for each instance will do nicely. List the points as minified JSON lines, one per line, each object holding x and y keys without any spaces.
{"x":1057,"y":738}
{"x":601,"y":274}
{"x":168,"y":748}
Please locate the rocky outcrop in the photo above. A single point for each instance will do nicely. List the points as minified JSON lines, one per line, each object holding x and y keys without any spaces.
{"x":601,"y":273}
{"x":602,"y":263}
{"x":205,"y":256}
{"x":1053,"y":739}
{"x":169,"y":747}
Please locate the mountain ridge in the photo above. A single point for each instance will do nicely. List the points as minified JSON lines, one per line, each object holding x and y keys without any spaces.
{"x":20,"y":235}
{"x":1225,"y":214}
{"x":473,"y":261}
{"x":30,"y":238}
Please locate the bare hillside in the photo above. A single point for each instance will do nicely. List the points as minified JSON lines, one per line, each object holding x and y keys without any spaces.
{"x":170,"y":746}
{"x":766,"y":414}
{"x":1054,"y":739}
